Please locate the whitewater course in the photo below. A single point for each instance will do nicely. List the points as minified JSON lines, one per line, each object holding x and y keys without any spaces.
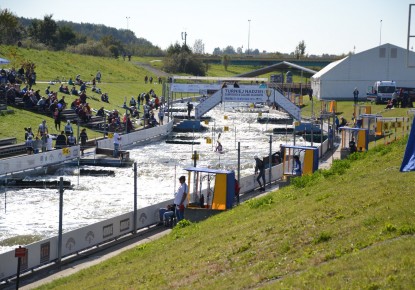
{"x":100,"y":209}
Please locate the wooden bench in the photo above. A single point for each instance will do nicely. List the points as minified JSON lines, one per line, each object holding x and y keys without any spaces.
{"x":8,"y":141}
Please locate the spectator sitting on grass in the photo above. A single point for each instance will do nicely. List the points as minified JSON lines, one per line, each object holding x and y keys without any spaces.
{"x":63,"y":89}
{"x":82,"y":97}
{"x":63,"y":104}
{"x":101,"y":112}
{"x":74,"y":91}
{"x":41,"y":104}
{"x":105,"y":98}
{"x":83,"y":87}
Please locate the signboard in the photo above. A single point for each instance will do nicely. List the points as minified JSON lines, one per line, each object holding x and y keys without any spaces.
{"x":20,"y":252}
{"x":27,"y":162}
{"x":246,"y":95}
{"x":193,"y":88}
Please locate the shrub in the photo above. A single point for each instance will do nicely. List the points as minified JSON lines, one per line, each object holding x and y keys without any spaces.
{"x":259,"y":202}
{"x":323,"y":237}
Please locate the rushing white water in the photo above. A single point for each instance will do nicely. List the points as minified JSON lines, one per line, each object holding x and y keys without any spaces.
{"x":35,"y":212}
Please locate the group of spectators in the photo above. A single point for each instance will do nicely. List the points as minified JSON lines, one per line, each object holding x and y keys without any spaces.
{"x":150,"y":80}
{"x":20,"y":76}
{"x":42,"y":141}
{"x":49,"y":103}
{"x":400,"y":99}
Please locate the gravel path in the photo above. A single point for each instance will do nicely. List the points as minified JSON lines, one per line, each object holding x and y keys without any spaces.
{"x":153,"y":70}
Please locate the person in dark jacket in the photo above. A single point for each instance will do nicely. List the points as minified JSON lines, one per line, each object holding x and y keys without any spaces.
{"x":61,"y":141}
{"x":260,"y":168}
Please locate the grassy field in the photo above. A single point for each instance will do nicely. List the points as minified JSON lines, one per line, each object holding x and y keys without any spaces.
{"x":350,"y":227}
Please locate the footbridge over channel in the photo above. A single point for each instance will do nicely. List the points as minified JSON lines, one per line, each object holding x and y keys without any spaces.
{"x":249,"y":94}
{"x":218,"y":93}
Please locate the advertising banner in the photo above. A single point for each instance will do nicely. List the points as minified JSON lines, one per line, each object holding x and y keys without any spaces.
{"x":247,"y":95}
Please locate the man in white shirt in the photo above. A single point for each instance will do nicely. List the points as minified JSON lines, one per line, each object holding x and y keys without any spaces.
{"x":116,"y":138}
{"x":180,"y":201}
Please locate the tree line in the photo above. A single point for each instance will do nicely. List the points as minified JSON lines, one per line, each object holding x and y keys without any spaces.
{"x":84,"y":38}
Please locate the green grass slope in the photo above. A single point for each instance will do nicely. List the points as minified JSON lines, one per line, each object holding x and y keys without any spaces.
{"x":120,"y":79}
{"x":350,"y":227}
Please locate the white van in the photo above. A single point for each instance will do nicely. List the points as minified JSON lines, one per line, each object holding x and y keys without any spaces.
{"x":381,"y":91}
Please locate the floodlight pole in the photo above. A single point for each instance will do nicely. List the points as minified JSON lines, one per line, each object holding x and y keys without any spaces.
{"x":380,"y":33}
{"x":249,"y":32}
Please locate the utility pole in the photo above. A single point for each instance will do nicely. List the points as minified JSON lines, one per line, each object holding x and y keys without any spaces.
{"x":184,"y":36}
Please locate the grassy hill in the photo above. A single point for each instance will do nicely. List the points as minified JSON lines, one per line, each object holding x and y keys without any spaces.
{"x":350,"y":227}
{"x":120,"y":79}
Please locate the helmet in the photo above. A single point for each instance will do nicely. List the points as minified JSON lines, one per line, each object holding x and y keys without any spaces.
{"x":256,"y":157}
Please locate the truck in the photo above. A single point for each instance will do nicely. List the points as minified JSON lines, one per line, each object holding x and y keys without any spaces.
{"x":381,"y":91}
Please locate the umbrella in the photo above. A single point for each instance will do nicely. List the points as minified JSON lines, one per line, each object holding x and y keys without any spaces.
{"x":4,"y":61}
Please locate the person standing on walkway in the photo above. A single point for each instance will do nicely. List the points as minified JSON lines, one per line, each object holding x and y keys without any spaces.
{"x":43,"y":129}
{"x":68,"y":128}
{"x":356,"y":96}
{"x":189,"y":109}
{"x":180,"y":198}
{"x":161,"y":115}
{"x":84,"y":137}
{"x":260,"y":168}
{"x":116,"y":139}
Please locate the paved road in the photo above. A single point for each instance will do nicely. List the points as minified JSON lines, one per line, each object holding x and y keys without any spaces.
{"x":153,"y":70}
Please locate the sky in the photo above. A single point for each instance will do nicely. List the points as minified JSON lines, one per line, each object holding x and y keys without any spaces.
{"x":326,"y":26}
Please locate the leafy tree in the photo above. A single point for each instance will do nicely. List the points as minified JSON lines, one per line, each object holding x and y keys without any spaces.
{"x":199,"y":47}
{"x":174,"y":49}
{"x":229,"y":50}
{"x":114,"y":46}
{"x":114,"y":50}
{"x":217,"y":51}
{"x":44,"y":30}
{"x":255,"y":51}
{"x":66,"y":36}
{"x":180,"y":59}
{"x":48,"y":28}
{"x":10,"y":28}
{"x":300,"y":49}
{"x":225,"y":61}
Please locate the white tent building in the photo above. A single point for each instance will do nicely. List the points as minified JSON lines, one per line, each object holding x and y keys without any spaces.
{"x":387,"y":62}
